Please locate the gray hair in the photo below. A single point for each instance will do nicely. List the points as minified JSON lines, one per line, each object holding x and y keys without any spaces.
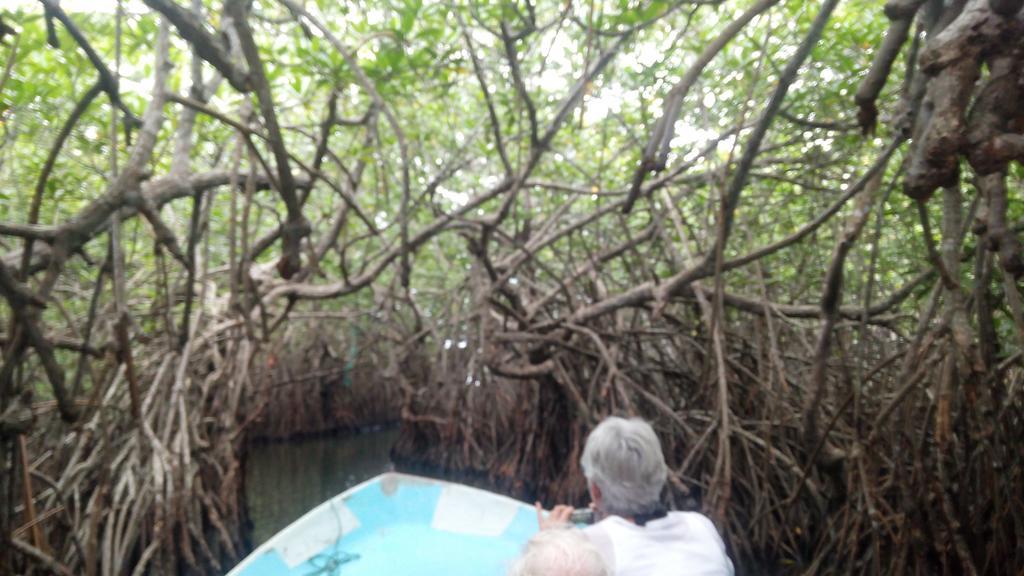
{"x":623,"y":458}
{"x":559,"y":552}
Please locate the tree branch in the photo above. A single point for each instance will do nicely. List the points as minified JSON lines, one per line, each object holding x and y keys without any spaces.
{"x":206,"y":45}
{"x":655,"y":155}
{"x":296,"y":226}
{"x":107,"y":81}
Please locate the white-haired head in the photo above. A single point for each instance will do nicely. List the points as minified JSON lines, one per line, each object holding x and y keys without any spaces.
{"x":559,"y":552}
{"x":623,"y":459}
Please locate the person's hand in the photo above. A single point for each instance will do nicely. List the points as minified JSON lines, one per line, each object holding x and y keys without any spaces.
{"x":558,"y":517}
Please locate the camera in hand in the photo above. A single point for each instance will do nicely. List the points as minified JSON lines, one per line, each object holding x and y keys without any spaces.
{"x":582,"y":516}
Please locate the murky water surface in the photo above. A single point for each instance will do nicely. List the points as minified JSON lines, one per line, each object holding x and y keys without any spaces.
{"x":283,"y":480}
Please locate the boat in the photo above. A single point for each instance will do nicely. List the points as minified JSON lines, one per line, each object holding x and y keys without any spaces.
{"x":399,"y":524}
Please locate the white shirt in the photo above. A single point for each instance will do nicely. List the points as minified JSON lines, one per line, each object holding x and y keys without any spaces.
{"x":680,"y":544}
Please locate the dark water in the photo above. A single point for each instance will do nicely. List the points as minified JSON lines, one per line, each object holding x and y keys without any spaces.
{"x":284,"y":480}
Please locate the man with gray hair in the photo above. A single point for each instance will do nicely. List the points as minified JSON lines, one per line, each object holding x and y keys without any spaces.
{"x":636,"y":535}
{"x":559,"y":551}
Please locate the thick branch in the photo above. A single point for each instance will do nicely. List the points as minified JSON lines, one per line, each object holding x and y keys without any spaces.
{"x":296,"y":227}
{"x":94,"y":218}
{"x":25,"y":306}
{"x":206,"y":45}
{"x":881,"y":66}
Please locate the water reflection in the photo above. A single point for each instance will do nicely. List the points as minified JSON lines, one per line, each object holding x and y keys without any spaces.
{"x":283,"y":480}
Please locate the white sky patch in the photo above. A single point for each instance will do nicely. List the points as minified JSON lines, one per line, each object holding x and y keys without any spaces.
{"x":456,"y":198}
{"x":726,"y":144}
{"x":375,"y":16}
{"x":553,"y":79}
{"x":647,"y":54}
{"x":608,"y":101}
{"x":481,"y":38}
{"x":71,"y":6}
{"x":365,"y":52}
{"x":687,"y":135}
{"x":557,"y":77}
{"x":144,"y":86}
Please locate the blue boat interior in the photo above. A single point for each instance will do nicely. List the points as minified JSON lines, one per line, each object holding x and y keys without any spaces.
{"x":398,"y":524}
